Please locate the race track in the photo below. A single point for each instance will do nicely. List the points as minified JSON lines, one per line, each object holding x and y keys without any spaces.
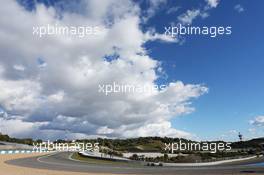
{"x":62,"y":162}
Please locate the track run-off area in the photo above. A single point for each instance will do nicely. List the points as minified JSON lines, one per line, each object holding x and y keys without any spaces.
{"x":64,"y":161}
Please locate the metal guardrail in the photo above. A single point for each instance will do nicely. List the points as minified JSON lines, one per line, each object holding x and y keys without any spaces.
{"x":223,"y":158}
{"x":102,"y":156}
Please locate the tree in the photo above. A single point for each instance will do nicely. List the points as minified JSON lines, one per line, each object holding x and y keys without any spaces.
{"x":240,"y":137}
{"x":166,"y":157}
{"x":134,"y":157}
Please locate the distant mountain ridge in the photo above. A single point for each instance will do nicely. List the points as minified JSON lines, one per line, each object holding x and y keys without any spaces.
{"x":140,"y":144}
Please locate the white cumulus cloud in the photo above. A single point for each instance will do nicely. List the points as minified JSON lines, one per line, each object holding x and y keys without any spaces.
{"x":213,"y":3}
{"x":239,"y":8}
{"x":258,"y":121}
{"x":57,"y":92}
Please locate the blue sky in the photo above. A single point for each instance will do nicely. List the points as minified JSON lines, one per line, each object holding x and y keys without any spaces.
{"x":230,"y":66}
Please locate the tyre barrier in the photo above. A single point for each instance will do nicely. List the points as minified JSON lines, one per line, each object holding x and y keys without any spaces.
{"x":21,"y":151}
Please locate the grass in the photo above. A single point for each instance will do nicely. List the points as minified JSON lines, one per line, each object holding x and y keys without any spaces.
{"x":151,"y":146}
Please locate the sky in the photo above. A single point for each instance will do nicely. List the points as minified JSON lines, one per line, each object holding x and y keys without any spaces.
{"x":214,"y":85}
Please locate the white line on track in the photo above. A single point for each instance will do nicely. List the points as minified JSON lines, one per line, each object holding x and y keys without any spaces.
{"x":90,"y":165}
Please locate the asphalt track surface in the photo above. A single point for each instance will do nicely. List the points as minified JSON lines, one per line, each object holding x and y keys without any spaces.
{"x":62,"y":162}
